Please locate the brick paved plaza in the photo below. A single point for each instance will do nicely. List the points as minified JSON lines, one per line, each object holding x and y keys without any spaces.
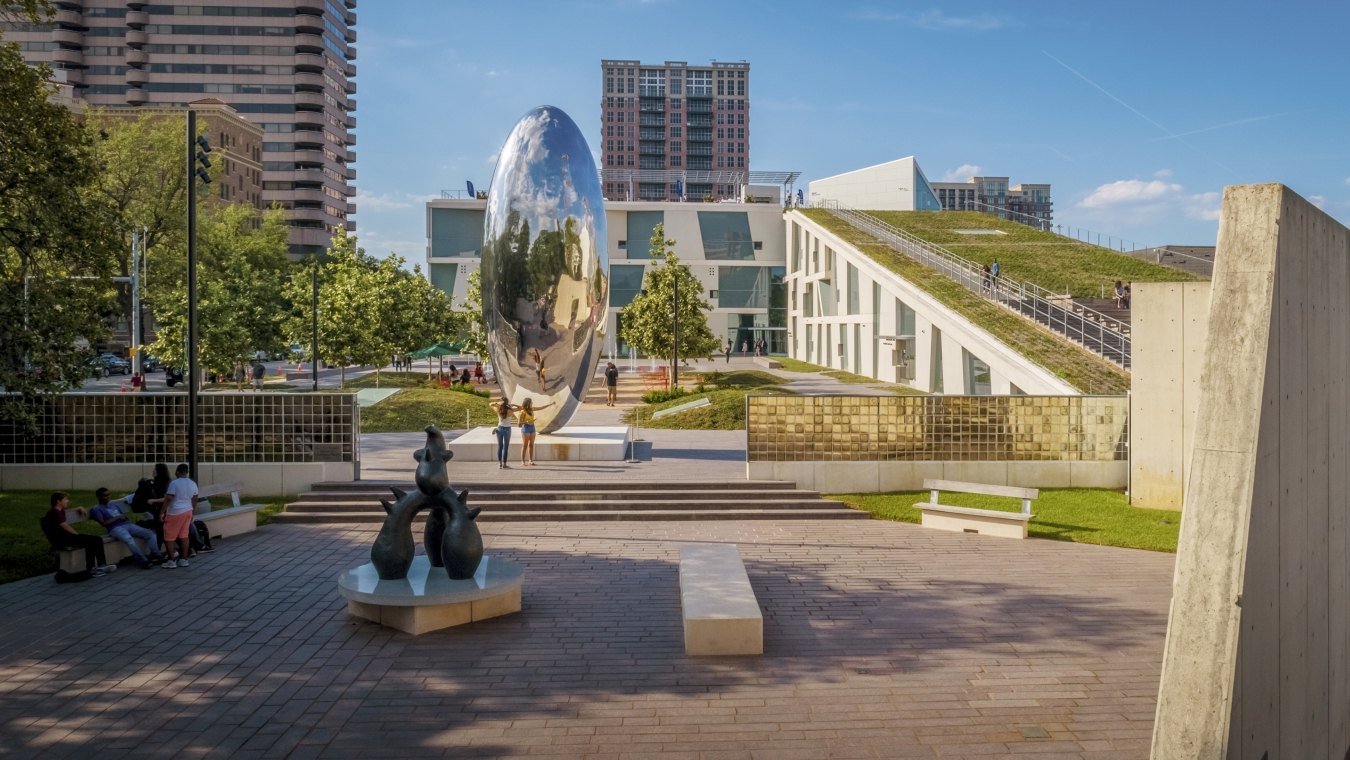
{"x":881,"y":640}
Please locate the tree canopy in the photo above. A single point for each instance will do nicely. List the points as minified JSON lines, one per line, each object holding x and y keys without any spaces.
{"x":58,"y":241}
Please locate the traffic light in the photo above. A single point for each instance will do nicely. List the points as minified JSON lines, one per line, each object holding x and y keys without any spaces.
{"x":203,"y":147}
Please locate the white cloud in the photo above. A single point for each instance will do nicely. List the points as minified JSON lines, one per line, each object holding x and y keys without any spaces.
{"x":961,"y":173}
{"x":1130,"y":192}
{"x":1319,"y":201}
{"x":1347,"y":180}
{"x":1203,"y":206}
{"x":935,"y":19}
{"x":1163,"y":174}
{"x":385,"y":202}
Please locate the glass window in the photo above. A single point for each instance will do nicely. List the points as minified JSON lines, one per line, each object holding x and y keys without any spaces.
{"x":443,"y":276}
{"x":904,"y":319}
{"x":640,"y":226}
{"x":744,"y":287}
{"x":625,"y":282}
{"x":854,"y":304}
{"x":726,"y":235}
{"x":977,"y":376}
{"x":456,"y":232}
{"x":936,"y":374}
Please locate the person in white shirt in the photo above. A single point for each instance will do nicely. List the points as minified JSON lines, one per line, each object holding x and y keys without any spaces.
{"x":176,"y":511}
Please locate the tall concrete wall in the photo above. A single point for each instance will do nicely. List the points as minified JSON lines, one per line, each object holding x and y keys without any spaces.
{"x":1168,"y":327}
{"x":1257,"y":662}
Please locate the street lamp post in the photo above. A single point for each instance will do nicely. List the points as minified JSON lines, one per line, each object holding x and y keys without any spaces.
{"x":197,"y":148}
{"x":675,"y":330}
{"x":314,"y":345}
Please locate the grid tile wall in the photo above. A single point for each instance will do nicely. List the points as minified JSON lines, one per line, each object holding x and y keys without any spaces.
{"x":115,"y":428}
{"x":937,"y":428}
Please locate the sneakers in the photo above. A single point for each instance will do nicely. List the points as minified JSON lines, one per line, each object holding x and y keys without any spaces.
{"x":182,"y":563}
{"x":98,"y":572}
{"x":207,"y":549}
{"x":107,"y":568}
{"x":169,"y":564}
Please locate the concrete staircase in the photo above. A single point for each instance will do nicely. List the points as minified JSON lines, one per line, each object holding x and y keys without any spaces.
{"x":359,"y":502}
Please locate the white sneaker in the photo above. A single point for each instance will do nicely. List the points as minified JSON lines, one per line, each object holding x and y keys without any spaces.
{"x":183,"y":562}
{"x":108,"y":568}
{"x":169,"y":564}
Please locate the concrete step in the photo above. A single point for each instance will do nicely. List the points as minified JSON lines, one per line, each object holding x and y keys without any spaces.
{"x":377,"y":517}
{"x":493,"y":497}
{"x":589,"y":505}
{"x":382,"y":486}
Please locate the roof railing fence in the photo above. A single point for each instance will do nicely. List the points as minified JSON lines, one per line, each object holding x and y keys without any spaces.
{"x":1055,"y":311}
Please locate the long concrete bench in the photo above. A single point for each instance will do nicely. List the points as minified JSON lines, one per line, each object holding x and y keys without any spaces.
{"x":768,"y":363}
{"x":990,"y":522}
{"x":721,"y":614}
{"x":230,"y":521}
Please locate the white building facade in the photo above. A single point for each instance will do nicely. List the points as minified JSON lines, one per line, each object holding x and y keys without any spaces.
{"x":736,"y":250}
{"x":846,"y":311}
{"x":898,"y":185}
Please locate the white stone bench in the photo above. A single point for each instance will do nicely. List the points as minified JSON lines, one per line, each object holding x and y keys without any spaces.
{"x":990,"y":522}
{"x":721,"y":614}
{"x":768,"y":363}
{"x":229,"y":521}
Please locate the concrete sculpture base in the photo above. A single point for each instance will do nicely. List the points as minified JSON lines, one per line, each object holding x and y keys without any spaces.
{"x":570,"y":444}
{"x":427,"y":600}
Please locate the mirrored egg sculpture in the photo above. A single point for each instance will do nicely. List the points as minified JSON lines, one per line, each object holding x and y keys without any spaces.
{"x":545,"y":270}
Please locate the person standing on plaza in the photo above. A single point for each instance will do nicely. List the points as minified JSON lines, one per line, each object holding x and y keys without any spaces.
{"x":62,"y":536}
{"x":727,"y":350}
{"x":177,"y":508}
{"x":114,"y":520}
{"x":503,"y":408}
{"x":258,"y":372}
{"x":611,"y":383}
{"x":527,"y":431}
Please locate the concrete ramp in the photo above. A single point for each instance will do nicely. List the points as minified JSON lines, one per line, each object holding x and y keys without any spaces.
{"x":1257,"y":662}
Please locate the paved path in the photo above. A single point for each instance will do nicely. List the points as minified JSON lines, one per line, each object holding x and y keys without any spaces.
{"x":881,"y":640}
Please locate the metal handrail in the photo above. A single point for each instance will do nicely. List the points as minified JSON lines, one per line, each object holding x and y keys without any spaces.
{"x":1080,"y":324}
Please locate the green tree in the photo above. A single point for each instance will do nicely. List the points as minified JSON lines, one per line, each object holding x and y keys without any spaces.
{"x":241,"y":269}
{"x":32,"y":10}
{"x":647,"y":322}
{"x":472,"y":332}
{"x":57,"y":245}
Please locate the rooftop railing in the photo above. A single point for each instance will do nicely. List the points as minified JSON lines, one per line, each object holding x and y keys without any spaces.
{"x":1101,"y":334}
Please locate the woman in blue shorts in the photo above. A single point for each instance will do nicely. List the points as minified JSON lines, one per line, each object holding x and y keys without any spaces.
{"x":527,"y":431}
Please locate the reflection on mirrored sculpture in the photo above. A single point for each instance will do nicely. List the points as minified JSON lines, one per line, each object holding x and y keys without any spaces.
{"x":545,"y":269}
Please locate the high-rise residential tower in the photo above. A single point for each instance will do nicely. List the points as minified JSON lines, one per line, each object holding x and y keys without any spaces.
{"x":672,"y":131}
{"x":288,"y":66}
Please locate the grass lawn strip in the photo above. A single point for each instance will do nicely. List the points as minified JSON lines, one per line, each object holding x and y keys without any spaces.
{"x":25,"y":552}
{"x":1054,"y":262}
{"x":414,"y":408}
{"x":1080,"y":515}
{"x":1066,"y":360}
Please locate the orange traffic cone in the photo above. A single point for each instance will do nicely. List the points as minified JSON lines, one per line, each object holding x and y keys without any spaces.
{"x":124,"y":387}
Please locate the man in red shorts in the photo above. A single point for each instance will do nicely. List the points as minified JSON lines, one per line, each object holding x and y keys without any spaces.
{"x":179,"y":505}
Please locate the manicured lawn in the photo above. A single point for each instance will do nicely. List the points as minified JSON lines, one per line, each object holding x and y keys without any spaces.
{"x":24,"y":551}
{"x":726,"y":411}
{"x":416,"y":407}
{"x":1075,"y":365}
{"x":797,"y":365}
{"x":1081,"y":515}
{"x":739,"y":378}
{"x":848,"y":378}
{"x":1052,"y":261}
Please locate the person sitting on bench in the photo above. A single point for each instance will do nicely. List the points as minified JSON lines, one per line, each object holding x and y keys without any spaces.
{"x":111,"y":516}
{"x":63,"y":537}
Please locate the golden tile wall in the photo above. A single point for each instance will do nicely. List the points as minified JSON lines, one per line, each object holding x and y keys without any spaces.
{"x":97,"y":428}
{"x":937,"y":428}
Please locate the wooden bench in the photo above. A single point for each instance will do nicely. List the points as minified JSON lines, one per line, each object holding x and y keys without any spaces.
{"x":721,"y":614}
{"x":230,"y":521}
{"x":990,"y":522}
{"x":652,"y":381}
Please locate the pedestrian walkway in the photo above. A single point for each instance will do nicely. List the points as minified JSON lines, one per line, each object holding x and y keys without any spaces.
{"x":880,"y":640}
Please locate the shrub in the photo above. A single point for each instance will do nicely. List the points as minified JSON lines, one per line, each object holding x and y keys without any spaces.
{"x":656,"y":397}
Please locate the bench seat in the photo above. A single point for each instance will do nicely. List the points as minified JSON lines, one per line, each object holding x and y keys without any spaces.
{"x":989,"y":522}
{"x":720,"y":611}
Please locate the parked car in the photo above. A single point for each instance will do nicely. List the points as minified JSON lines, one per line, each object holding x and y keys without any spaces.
{"x":114,"y":364}
{"x":96,"y":367}
{"x":173,"y":376}
{"x":150,"y":364}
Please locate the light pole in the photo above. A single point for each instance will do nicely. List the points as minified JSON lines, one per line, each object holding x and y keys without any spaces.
{"x":194,"y":155}
{"x":675,"y":330}
{"x":314,"y":344}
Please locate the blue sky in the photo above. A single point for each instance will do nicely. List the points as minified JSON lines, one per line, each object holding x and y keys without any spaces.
{"x":1138,"y":114}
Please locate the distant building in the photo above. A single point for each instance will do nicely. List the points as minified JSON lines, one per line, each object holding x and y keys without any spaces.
{"x":737,"y":250}
{"x":673,"y":132}
{"x":898,"y":185}
{"x":1025,"y":203}
{"x":285,"y":65}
